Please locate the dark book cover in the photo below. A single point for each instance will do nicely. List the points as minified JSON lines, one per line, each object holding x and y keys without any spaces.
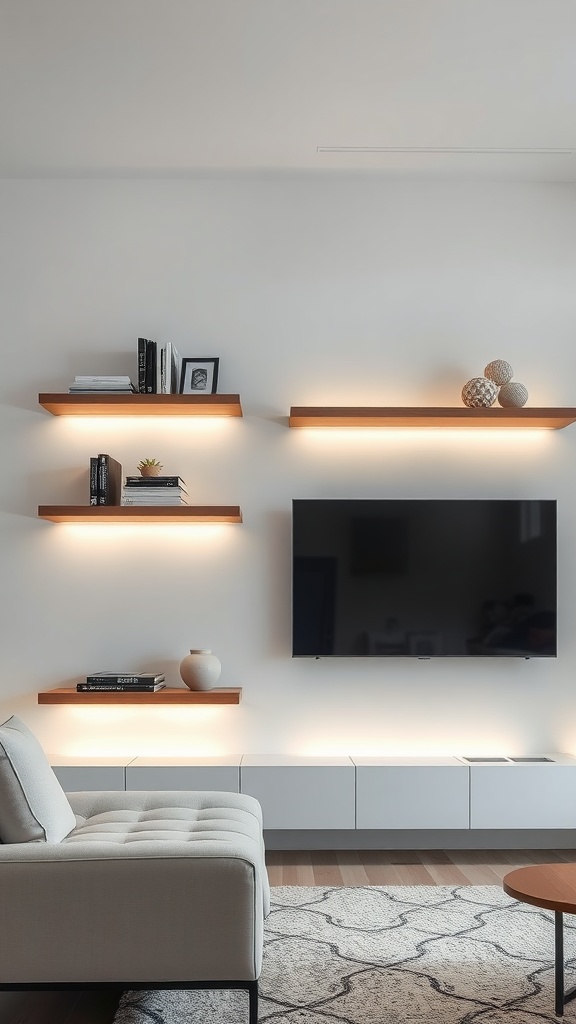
{"x":150,"y":367}
{"x":142,"y":365}
{"x":93,"y":481}
{"x":119,"y":687}
{"x":109,"y":481}
{"x":127,"y":678}
{"x":155,"y":481}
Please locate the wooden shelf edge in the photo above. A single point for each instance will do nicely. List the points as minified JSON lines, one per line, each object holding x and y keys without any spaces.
{"x":140,"y":514}
{"x":437,"y":416}
{"x":140,"y":405}
{"x":170,"y":695}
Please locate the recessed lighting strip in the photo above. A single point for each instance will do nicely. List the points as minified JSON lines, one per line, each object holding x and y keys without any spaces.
{"x":445,"y":149}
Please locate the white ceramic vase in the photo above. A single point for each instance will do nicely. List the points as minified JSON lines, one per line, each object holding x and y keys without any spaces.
{"x":200,"y":670}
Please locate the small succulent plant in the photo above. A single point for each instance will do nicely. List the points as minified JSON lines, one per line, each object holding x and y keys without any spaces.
{"x":149,"y":467}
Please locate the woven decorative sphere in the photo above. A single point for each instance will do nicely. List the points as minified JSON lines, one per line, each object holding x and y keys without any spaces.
{"x":479,"y":393}
{"x":513,"y":395}
{"x":499,"y":371}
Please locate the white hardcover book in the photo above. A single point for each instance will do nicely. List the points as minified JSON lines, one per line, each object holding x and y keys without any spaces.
{"x":160,"y":373}
{"x":155,"y":501}
{"x":167,"y":368}
{"x":172,"y":369}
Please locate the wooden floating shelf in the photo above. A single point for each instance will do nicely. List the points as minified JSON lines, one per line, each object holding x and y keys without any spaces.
{"x":170,"y":695}
{"x":140,"y":513}
{"x":400,"y":417}
{"x":141,"y":405}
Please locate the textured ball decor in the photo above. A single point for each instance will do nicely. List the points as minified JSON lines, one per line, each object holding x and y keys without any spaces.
{"x":499,"y":371}
{"x":512,"y":395}
{"x":479,"y":393}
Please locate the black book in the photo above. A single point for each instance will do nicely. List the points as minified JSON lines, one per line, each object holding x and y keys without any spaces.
{"x":142,"y":365}
{"x":150,"y":367}
{"x":126,"y":678}
{"x":155,"y":481}
{"x":119,"y":687}
{"x":109,"y":481}
{"x":94,"y":480}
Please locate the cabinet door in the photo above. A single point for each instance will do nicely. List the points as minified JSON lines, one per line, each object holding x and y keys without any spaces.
{"x":90,"y":778}
{"x":523,"y":796}
{"x":222,"y":778}
{"x":410,"y":796}
{"x":298,"y":796}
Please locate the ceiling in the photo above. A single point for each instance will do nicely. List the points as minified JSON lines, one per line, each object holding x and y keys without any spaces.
{"x":467,"y":89}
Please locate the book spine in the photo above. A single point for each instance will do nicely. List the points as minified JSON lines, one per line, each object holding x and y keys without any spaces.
{"x":175,"y":364}
{"x":142,"y":365}
{"x":118,"y":688}
{"x":94,"y":480}
{"x":150,"y":367}
{"x":168,"y":367}
{"x":102,"y":480}
{"x":161,"y":370}
{"x":114,"y":492}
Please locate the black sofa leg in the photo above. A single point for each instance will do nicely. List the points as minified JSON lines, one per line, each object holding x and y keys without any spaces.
{"x":253,"y":1002}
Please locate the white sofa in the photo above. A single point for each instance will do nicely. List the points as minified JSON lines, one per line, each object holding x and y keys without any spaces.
{"x":126,"y":890}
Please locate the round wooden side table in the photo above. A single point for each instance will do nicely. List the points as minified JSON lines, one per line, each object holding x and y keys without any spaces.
{"x":553,"y":887}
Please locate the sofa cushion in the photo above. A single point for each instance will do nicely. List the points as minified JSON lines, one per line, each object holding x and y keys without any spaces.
{"x":168,"y":823}
{"x":33,"y":805}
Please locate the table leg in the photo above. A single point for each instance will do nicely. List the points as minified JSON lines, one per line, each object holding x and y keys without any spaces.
{"x":558,"y":963}
{"x":560,"y":996}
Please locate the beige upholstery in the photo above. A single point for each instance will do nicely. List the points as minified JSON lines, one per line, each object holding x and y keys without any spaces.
{"x":151,"y":887}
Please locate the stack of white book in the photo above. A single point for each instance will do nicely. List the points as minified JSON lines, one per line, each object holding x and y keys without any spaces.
{"x":87,"y":384}
{"x":154,"y":490}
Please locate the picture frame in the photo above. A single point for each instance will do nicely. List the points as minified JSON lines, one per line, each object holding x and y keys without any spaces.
{"x":199,"y":375}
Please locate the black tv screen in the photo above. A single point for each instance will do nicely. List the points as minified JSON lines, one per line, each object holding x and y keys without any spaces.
{"x":423,"y":578}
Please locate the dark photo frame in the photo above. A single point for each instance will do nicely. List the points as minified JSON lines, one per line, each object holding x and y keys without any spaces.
{"x":199,"y":375}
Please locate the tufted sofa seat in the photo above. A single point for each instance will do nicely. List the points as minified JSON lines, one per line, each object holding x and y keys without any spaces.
{"x":156,"y":817}
{"x":163,"y":887}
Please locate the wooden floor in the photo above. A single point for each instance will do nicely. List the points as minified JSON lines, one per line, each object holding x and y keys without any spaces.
{"x":403,"y":867}
{"x":319,"y":867}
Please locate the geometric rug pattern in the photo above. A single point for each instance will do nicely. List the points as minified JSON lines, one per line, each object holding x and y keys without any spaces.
{"x":387,"y":955}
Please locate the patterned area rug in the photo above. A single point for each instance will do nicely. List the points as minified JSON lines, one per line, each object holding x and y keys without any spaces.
{"x":387,"y":955}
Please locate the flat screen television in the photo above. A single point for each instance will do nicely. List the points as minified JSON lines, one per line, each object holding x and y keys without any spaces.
{"x":423,"y":578}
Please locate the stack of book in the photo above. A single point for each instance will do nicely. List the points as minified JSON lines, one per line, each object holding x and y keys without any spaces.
{"x":138,"y":682}
{"x":154,"y":490}
{"x":105,"y":480}
{"x":158,"y":368}
{"x":96,"y":385}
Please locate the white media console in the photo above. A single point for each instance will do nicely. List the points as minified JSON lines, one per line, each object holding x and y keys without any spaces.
{"x":350,"y":794}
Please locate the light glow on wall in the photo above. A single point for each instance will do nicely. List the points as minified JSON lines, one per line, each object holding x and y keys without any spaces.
{"x":459,"y":439}
{"x":471,"y":742}
{"x":164,"y":429}
{"x":168,"y":533}
{"x":125,"y":731}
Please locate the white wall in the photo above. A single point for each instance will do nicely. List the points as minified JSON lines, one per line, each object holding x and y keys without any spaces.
{"x":312,"y":290}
